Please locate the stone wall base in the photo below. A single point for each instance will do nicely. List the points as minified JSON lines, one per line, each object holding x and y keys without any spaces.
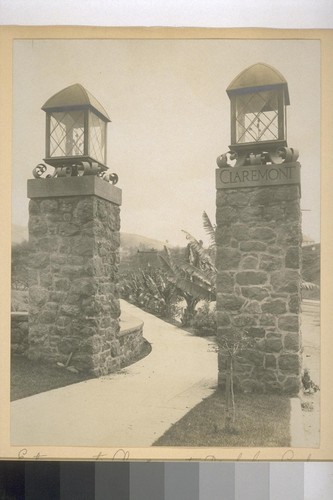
{"x":128,"y":346}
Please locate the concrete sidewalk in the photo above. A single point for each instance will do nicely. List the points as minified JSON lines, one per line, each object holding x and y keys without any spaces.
{"x":311,"y":359}
{"x":305,"y":422}
{"x":131,"y":408}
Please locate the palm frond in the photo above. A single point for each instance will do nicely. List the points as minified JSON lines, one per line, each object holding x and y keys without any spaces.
{"x":200,"y":251}
{"x":210,"y":229}
{"x":194,"y":289}
{"x":168,"y":262}
{"x":207,"y":276}
{"x":152,"y":286}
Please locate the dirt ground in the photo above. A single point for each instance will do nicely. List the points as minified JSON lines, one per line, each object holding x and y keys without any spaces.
{"x":311,"y":359}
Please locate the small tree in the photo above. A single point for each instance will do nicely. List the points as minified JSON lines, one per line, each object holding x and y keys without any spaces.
{"x":231,"y":345}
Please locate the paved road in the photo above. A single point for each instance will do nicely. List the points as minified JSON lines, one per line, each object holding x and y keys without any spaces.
{"x":129,"y":409}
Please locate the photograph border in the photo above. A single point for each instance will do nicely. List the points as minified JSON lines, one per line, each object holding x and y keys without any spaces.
{"x":325,"y":452}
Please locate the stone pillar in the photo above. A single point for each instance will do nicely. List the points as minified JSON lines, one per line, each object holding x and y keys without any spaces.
{"x":258,"y":240}
{"x":74,"y":308}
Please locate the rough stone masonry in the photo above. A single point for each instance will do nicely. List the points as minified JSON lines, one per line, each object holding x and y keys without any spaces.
{"x":74,"y":307}
{"x":258,"y":240}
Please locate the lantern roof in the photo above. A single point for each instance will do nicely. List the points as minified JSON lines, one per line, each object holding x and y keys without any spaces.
{"x":75,"y":96}
{"x":258,"y":77}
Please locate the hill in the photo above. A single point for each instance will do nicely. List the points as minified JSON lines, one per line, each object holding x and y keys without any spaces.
{"x":130,"y":240}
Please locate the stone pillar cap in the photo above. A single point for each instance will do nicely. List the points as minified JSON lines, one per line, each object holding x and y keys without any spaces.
{"x":74,"y":186}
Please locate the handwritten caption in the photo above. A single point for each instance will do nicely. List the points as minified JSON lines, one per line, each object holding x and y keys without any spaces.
{"x":124,"y":455}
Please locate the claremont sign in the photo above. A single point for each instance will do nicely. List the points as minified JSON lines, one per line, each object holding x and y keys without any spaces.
{"x":258,"y":175}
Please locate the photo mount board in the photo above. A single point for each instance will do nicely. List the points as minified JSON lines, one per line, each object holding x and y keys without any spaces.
{"x":8,"y":37}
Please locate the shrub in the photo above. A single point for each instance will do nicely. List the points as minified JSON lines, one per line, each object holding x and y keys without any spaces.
{"x":204,"y":321}
{"x":151,"y":290}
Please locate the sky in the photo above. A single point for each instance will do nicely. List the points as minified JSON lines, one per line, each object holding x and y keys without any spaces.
{"x":170,"y":119}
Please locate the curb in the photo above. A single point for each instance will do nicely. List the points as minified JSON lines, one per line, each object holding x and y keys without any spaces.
{"x":297,"y":436}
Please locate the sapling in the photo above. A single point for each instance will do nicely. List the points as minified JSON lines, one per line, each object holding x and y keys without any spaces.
{"x":230,"y":344}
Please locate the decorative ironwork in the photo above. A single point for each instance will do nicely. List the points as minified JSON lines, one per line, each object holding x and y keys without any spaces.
{"x":76,"y":169}
{"x":41,"y":169}
{"x":281,"y":155}
{"x":108,"y":177}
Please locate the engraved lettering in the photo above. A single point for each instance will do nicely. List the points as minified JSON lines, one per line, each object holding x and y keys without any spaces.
{"x":246,"y":175}
{"x":273,"y":174}
{"x":254,"y":175}
{"x":285,"y":172}
{"x":258,"y":175}
{"x":262,"y":174}
{"x":226,"y":179}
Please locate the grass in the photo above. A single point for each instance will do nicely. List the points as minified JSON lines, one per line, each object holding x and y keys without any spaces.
{"x":33,"y":377}
{"x":262,"y":420}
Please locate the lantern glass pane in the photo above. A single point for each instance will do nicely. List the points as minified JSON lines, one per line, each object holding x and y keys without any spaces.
{"x":67,"y":133}
{"x":97,"y":137}
{"x":257,"y":117}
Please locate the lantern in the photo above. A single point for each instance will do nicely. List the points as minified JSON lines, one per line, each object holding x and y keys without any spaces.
{"x":258,"y":96}
{"x":75,"y":130}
